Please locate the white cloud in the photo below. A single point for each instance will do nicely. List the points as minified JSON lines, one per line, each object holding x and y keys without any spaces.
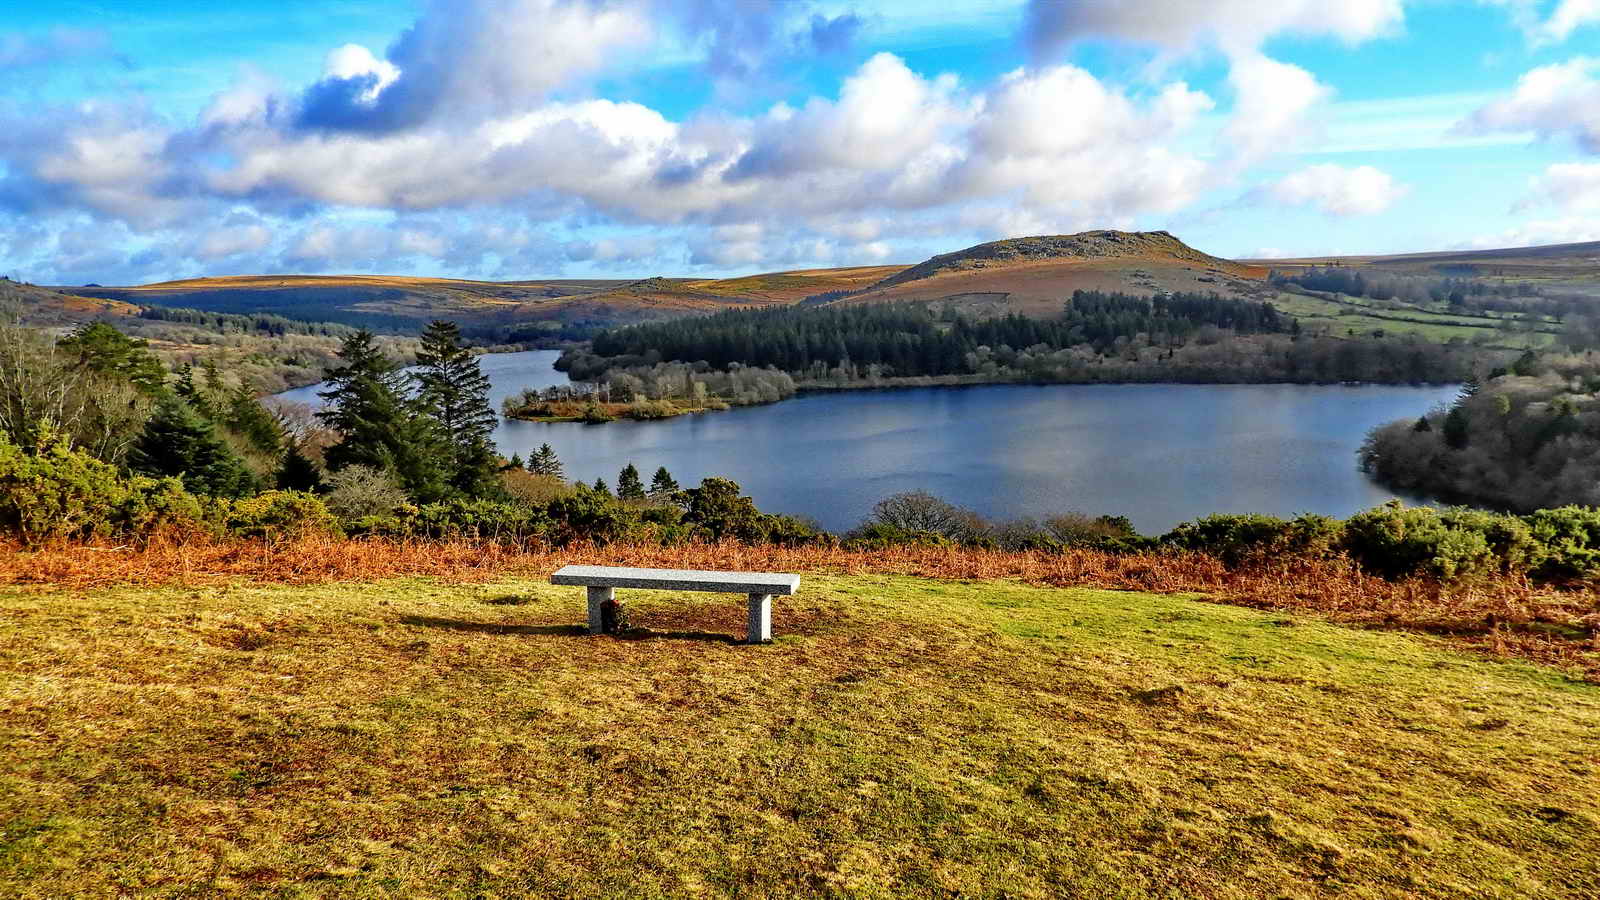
{"x":355,"y":61}
{"x":1271,"y":107}
{"x":1550,"y":101}
{"x":220,"y":243}
{"x":1570,"y":186}
{"x":1569,"y":17}
{"x":1336,"y":190}
{"x":1571,"y":230}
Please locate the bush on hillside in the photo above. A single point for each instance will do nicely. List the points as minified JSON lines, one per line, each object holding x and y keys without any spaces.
{"x":280,"y":514}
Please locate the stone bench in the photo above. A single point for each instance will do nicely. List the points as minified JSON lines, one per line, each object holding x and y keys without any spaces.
{"x":603,"y":581}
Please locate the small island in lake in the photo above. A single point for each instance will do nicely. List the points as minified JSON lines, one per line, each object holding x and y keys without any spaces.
{"x":658,"y":391}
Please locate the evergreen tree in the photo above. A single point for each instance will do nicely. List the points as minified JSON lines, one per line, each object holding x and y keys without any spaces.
{"x":453,"y":390}
{"x":298,"y":472}
{"x":629,"y":485}
{"x":104,"y":350}
{"x":662,"y":485}
{"x":514,"y":463}
{"x":600,"y":487}
{"x":178,"y":442}
{"x":378,"y":426}
{"x":246,"y":417}
{"x":1422,"y":425}
{"x":1456,"y":428}
{"x":1470,"y":387}
{"x":544,"y":462}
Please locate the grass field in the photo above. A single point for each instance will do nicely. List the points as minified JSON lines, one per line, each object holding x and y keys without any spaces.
{"x":903,"y":736}
{"x":1339,"y":314}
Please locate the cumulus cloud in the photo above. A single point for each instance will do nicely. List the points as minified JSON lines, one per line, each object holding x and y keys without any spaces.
{"x":1557,"y":100}
{"x":1233,"y":25}
{"x":1570,"y":186}
{"x":468,"y":57}
{"x":1570,"y":16}
{"x":1336,"y":190}
{"x":1271,"y":107}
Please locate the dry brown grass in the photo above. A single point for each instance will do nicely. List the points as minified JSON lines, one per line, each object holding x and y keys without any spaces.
{"x":1505,"y":617}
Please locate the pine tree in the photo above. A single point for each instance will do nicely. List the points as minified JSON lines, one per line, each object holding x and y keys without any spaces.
{"x":629,"y":485}
{"x":600,"y":487}
{"x":515,"y":462}
{"x":453,"y":390}
{"x":367,"y":404}
{"x":246,"y":417}
{"x":104,"y":350}
{"x":1457,"y":428}
{"x":662,"y":485}
{"x":298,"y":472}
{"x":544,"y":462}
{"x":178,"y":442}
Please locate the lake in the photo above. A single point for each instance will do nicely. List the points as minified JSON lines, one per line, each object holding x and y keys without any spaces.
{"x":1158,"y":454}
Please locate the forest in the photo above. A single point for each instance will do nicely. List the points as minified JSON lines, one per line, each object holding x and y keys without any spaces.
{"x":1526,"y":437}
{"x":1098,"y":337}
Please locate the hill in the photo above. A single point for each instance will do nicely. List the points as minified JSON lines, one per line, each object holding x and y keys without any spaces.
{"x":903,"y":736}
{"x":43,"y":307}
{"x":1033,"y":275}
{"x":394,"y":303}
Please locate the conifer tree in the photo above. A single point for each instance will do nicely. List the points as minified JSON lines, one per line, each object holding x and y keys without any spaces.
{"x":378,"y":425}
{"x":515,"y":462}
{"x":298,"y":472}
{"x":104,"y":350}
{"x":600,"y":487}
{"x":629,"y":485}
{"x":662,"y":484}
{"x":453,"y":390}
{"x":179,"y":442}
{"x":245,"y":416}
{"x":545,"y":462}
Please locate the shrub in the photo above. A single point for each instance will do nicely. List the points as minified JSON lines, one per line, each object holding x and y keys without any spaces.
{"x":1232,"y":538}
{"x":363,"y":492}
{"x":280,"y":514}
{"x":1569,"y":542}
{"x":879,"y":536}
{"x":1394,"y":541}
{"x":533,"y":489}
{"x":58,"y":493}
{"x":495,"y":519}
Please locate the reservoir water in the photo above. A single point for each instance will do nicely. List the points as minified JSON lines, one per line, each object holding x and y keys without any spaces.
{"x":1158,"y":454}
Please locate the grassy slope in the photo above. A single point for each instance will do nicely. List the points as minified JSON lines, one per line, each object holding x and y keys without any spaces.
{"x":905,"y":736}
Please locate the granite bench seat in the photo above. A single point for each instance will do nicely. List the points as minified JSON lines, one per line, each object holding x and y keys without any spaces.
{"x":602,"y":582}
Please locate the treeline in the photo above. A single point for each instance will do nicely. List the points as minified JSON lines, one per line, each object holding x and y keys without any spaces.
{"x":258,"y":323}
{"x":911,"y":340}
{"x":1380,"y":285}
{"x":1526,"y":438}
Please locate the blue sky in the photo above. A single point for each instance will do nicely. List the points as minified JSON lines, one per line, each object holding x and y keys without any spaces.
{"x":508,"y":139}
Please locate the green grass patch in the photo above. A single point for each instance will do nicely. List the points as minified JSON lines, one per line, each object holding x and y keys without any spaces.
{"x":901,"y":737}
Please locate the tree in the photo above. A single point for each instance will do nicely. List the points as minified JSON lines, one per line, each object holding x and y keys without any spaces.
{"x":600,"y":487}
{"x":245,"y":416}
{"x":629,"y":485}
{"x":178,"y":442}
{"x":514,"y":463}
{"x":718,"y":507}
{"x":544,"y":462}
{"x":298,"y":472}
{"x":104,"y":350}
{"x":662,"y":485}
{"x":1457,"y":428}
{"x":453,"y":390}
{"x":1422,"y":425}
{"x":378,"y":425}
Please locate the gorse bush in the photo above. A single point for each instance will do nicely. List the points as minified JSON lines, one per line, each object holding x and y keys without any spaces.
{"x":58,"y":493}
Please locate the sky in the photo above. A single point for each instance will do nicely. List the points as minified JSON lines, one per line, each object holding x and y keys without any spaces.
{"x":521,"y":139}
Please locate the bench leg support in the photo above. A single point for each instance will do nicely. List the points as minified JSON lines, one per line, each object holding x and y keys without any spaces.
{"x":598,"y":598}
{"x":759,"y":628}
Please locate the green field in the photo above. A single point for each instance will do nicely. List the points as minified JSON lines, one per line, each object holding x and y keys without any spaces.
{"x":902,"y":737}
{"x":1339,"y":314}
